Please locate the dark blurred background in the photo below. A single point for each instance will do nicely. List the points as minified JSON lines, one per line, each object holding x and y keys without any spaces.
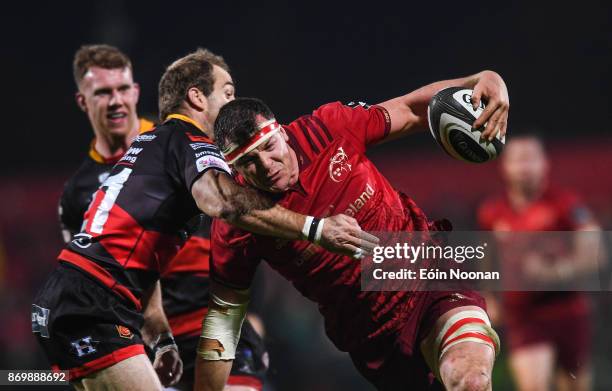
{"x":556,"y":61}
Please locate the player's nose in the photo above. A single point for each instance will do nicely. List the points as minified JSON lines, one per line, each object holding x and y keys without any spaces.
{"x":266,"y":163}
{"x":116,"y":99}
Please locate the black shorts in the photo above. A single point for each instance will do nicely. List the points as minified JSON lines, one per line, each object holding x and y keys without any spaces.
{"x":83,"y":326}
{"x":249,"y":367}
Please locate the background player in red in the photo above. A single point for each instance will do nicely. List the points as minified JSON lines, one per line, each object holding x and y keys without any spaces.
{"x":108,"y":94}
{"x":89,"y":313}
{"x":547,"y":331}
{"x":317,"y":165}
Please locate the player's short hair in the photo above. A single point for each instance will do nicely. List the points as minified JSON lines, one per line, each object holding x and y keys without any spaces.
{"x":103,"y":56}
{"x":237,"y":121}
{"x":193,"y":70}
{"x":535,"y":136}
{"x":529,"y":135}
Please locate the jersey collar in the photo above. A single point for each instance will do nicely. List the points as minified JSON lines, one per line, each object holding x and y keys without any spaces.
{"x":144,"y":126}
{"x":185,"y":119}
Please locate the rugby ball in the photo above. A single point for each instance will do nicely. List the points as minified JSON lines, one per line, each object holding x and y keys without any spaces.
{"x":450,"y":115}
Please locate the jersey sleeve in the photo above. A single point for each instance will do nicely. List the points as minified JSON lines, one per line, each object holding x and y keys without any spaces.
{"x":574,"y":211}
{"x":234,"y":257}
{"x":196,"y":154}
{"x":360,"y":123}
{"x":70,"y":218}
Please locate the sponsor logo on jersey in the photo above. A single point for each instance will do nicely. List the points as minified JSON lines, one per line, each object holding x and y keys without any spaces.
{"x":82,"y":240}
{"x":124,"y":332}
{"x":128,"y":158}
{"x":210,"y":161}
{"x":209,"y":151}
{"x":339,"y":166}
{"x":145,"y":137}
{"x":40,"y":320}
{"x":354,"y":105}
{"x":84,"y":346}
{"x":360,"y":201}
{"x":131,"y":155}
{"x":195,"y":138}
{"x":196,"y":146}
{"x":133,"y":151}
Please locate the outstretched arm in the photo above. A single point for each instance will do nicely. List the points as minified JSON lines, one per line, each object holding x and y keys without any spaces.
{"x":218,"y":195}
{"x":409,"y":112}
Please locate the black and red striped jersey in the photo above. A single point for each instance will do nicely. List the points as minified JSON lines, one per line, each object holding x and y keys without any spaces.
{"x":185,"y":280}
{"x":79,"y":189}
{"x":131,"y":230}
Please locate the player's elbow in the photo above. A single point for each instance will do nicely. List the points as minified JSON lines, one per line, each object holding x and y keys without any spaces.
{"x":220,"y":208}
{"x":230,"y":213}
{"x":407,"y":116}
{"x":213,"y":198}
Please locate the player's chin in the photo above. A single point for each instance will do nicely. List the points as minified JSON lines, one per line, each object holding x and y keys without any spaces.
{"x":275,"y":189}
{"x":279,"y":186}
{"x":118,"y":130}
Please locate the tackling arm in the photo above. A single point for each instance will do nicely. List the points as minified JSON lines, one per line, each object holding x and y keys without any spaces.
{"x":218,"y":195}
{"x":409,"y":112}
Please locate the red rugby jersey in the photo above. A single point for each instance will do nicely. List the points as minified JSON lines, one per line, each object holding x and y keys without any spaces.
{"x":555,"y":210}
{"x":335,"y":177}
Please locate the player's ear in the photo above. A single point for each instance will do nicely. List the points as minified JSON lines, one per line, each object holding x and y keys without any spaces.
{"x":80,"y":100}
{"x":284,"y":134}
{"x":137,"y":91}
{"x":197,"y":99}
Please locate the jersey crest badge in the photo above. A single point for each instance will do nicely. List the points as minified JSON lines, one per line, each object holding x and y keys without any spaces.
{"x":339,"y":166}
{"x":124,"y":332}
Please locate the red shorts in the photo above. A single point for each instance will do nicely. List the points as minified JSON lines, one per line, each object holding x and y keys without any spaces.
{"x":570,"y":336}
{"x":394,"y":362}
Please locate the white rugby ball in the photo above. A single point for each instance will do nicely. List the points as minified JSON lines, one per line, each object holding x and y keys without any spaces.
{"x":450,"y":115}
